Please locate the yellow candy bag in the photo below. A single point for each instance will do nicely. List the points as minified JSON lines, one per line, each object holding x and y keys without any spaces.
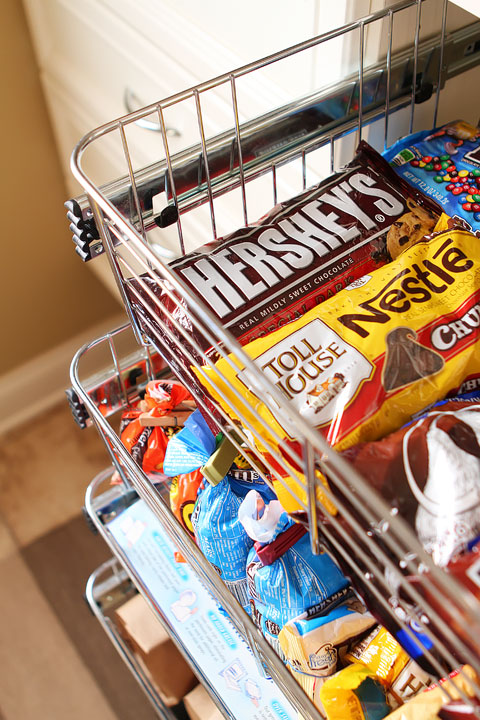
{"x":313,"y":645}
{"x":353,"y":694}
{"x":390,"y":664}
{"x":358,"y":365}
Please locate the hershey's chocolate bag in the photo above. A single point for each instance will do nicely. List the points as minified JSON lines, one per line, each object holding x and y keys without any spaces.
{"x":303,"y":252}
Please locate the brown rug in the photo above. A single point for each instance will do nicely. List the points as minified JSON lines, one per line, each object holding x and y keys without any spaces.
{"x":61,"y":562}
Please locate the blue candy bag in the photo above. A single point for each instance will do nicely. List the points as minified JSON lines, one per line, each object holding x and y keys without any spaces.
{"x":221,"y":536}
{"x":252,"y":481}
{"x":190,"y":448}
{"x":473,"y":397}
{"x":443,"y":163}
{"x":284,"y":577}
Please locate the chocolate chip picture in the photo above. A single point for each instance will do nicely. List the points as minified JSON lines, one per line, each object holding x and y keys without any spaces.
{"x":406,"y":361}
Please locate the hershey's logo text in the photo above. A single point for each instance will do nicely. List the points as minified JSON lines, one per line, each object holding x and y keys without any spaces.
{"x":225,"y":278}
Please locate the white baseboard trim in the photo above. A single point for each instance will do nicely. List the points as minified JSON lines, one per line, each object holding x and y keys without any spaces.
{"x":40,"y":383}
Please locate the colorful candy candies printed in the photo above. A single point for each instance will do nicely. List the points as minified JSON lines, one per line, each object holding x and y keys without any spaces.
{"x":445,"y":164}
{"x":459,"y":182}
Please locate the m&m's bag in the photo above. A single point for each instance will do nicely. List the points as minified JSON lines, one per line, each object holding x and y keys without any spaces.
{"x":443,"y":163}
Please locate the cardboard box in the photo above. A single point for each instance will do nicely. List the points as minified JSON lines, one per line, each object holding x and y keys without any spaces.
{"x":156,"y":652}
{"x":200,"y":705}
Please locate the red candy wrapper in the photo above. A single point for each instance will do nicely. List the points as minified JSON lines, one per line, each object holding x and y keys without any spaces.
{"x":147,"y":445}
{"x":183,"y":495}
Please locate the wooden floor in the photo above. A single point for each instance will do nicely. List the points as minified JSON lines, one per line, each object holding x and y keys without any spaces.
{"x":55,"y":661}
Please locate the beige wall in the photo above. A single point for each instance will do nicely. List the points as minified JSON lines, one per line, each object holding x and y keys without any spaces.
{"x":47,"y":294}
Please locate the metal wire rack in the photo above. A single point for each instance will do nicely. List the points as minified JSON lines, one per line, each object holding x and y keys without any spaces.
{"x":107,"y":588}
{"x":374,"y":543}
{"x":360,"y":548}
{"x":265,"y":657}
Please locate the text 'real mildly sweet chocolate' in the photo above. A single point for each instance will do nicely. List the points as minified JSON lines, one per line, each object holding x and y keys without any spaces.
{"x":303,"y":252}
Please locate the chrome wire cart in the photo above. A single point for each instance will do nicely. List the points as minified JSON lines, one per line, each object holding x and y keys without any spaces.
{"x":152,"y":216}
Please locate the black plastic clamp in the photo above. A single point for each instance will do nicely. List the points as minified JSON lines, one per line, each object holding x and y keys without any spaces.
{"x":168,"y":216}
{"x":79,"y":412}
{"x":84,"y":230}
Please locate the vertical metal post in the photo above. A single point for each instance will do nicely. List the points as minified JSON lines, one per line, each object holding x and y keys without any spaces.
{"x":170,"y":176}
{"x":311,"y":485}
{"x":131,"y":174}
{"x":389,"y":75}
{"x":115,"y":267}
{"x":118,"y":369}
{"x":360,"y":80}
{"x":440,"y":61}
{"x":149,"y":364}
{"x":415,"y":64}
{"x":239,"y":146}
{"x":205,"y":160}
{"x":116,"y":464}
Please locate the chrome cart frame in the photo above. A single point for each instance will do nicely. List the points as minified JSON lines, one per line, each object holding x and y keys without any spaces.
{"x":119,"y":218}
